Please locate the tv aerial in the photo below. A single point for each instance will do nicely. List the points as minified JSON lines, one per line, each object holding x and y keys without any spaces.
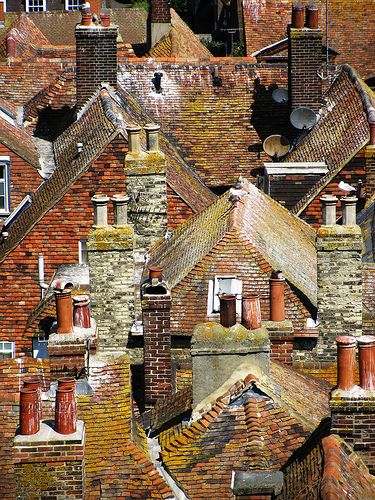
{"x":303,"y":118}
{"x":276,"y":146}
{"x":280,"y":96}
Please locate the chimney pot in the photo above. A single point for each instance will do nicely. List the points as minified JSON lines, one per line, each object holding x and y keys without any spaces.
{"x":227,"y":310}
{"x":345,"y":362}
{"x":86,"y":18}
{"x":328,"y":209}
{"x":35,"y":383}
{"x":106,"y":19}
{"x":81,"y":311}
{"x":29,"y":411}
{"x":297,"y":16}
{"x":64,"y":311}
{"x":65,"y":410}
{"x":134,"y":142}
{"x":251,"y":314}
{"x":366,"y":356}
{"x":372,"y":134}
{"x":277,"y":300}
{"x":312,"y":17}
{"x":349,"y":214}
{"x":152,"y":134}
{"x":120,"y":205}
{"x":156,"y":272}
{"x":100,"y":210}
{"x":2,"y":13}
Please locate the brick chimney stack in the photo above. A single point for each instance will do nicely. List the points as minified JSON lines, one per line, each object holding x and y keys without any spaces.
{"x":96,"y":55}
{"x":160,"y":16}
{"x":156,"y":306}
{"x":353,"y":407}
{"x":339,"y":249}
{"x":305,"y":59}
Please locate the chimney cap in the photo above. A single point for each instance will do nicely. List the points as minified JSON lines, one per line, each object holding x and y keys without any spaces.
{"x":366,"y":339}
{"x":63,"y":286}
{"x":121,"y":197}
{"x":346,"y":341}
{"x":152,"y":127}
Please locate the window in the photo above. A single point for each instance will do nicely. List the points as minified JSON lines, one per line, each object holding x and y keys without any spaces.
{"x":72,"y":4}
{"x":7,"y":349}
{"x":4,"y":184}
{"x":36,"y":5}
{"x":223,"y":284}
{"x":82,"y":252}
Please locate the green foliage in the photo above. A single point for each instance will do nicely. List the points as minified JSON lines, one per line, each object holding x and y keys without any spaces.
{"x":141,"y":4}
{"x":238,"y":49}
{"x":216,"y":47}
{"x":180,"y":6}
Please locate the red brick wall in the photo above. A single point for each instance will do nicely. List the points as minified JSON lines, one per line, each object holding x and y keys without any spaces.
{"x":56,"y":236}
{"x":178,"y":210}
{"x":351,"y":174}
{"x":24,"y":178}
{"x":232,"y":256}
{"x":160,"y":12}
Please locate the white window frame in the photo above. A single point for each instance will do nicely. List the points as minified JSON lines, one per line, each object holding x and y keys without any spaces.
{"x":7,"y":347}
{"x":213,"y":302}
{"x":69,"y":6}
{"x":27,"y":6}
{"x":5,"y":161}
{"x":82,"y":250}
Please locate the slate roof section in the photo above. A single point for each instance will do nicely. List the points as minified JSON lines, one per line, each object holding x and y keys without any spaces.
{"x":179,"y":42}
{"x":167,"y":409}
{"x":341,"y":132}
{"x":268,"y":226}
{"x":20,"y":141}
{"x":117,"y":464}
{"x":244,"y":429}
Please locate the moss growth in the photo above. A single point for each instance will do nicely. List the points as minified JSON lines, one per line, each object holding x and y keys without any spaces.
{"x":145,"y":163}
{"x":111,"y":238}
{"x":33,"y":480}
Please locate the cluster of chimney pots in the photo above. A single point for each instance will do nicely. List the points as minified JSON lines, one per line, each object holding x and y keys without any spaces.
{"x":346,"y":362}
{"x":31,"y":406}
{"x":251,"y":313}
{"x":302,"y":18}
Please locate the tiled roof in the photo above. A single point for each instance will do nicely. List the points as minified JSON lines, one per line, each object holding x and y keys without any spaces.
{"x":58,"y":26}
{"x":268,"y":226}
{"x":342,"y":130}
{"x":27,"y":36}
{"x":366,"y":220}
{"x":217,"y":129}
{"x":350,"y":28}
{"x":179,"y":42}
{"x":19,"y":140}
{"x":167,"y":409}
{"x":247,"y":428}
{"x":117,"y":464}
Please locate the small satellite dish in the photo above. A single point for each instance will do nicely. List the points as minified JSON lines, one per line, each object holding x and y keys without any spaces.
{"x":276,"y":146}
{"x":303,"y":118}
{"x":280,"y":96}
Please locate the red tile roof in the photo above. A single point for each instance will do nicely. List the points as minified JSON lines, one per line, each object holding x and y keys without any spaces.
{"x":19,"y":140}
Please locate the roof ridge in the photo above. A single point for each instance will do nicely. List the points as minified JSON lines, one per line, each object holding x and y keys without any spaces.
{"x":362,"y":89}
{"x":255,"y":439}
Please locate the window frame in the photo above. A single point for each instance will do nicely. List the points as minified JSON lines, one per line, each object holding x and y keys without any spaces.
{"x":3,"y":350}
{"x":5,"y":161}
{"x":213,"y":303}
{"x":82,"y":250}
{"x":72,"y":9}
{"x":27,"y":6}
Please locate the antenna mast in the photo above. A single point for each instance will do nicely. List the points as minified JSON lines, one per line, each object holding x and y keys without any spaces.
{"x":327,"y":49}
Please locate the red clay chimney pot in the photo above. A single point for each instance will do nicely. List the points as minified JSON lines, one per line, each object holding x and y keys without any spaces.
{"x":156,"y":272}
{"x":81,"y":311}
{"x":64,"y":311}
{"x":251,"y":315}
{"x":106,"y":20}
{"x":29,"y":411}
{"x":297,"y":16}
{"x":277,"y":300}
{"x":65,"y":411}
{"x":227,"y":310}
{"x":366,"y":357}
{"x":35,"y":383}
{"x":2,"y":13}
{"x":345,"y":362}
{"x":312,"y":17}
{"x":86,"y":18}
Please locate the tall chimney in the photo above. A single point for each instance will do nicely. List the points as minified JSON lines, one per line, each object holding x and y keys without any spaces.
{"x":339,"y":249}
{"x":96,"y":56}
{"x":305,"y":60}
{"x":160,"y":16}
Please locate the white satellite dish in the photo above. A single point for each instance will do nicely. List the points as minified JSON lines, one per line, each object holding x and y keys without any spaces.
{"x":276,"y":146}
{"x":303,"y":118}
{"x":280,"y":96}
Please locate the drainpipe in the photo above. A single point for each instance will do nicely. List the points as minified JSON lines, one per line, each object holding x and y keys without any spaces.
{"x":42,"y":284}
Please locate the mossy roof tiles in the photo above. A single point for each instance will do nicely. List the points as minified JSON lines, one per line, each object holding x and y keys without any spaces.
{"x":283,"y":240}
{"x":342,"y":130}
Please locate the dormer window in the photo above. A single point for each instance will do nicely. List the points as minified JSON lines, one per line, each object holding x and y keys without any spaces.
{"x":4,"y":185}
{"x":219,"y":285}
{"x":36,"y":5}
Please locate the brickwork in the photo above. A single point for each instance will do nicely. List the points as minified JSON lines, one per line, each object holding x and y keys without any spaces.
{"x":370,"y":170}
{"x":339,"y":286}
{"x":111,"y":262}
{"x":353,"y":420}
{"x":50,"y":468}
{"x":96,"y":53}
{"x":368,"y":298}
{"x":157,"y":346}
{"x":56,"y":236}
{"x":160,"y":11}
{"x":178,"y":210}
{"x":281,"y":337}
{"x":305,"y":86}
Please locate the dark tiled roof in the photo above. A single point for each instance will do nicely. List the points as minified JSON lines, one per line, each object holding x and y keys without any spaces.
{"x":268,"y":226}
{"x":58,"y":26}
{"x":19,"y":140}
{"x":246,"y":428}
{"x":342,"y":130}
{"x":117,"y":464}
{"x":167,"y":409}
{"x":179,"y":42}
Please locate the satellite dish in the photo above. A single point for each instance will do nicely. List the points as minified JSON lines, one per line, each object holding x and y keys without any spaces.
{"x":276,"y":146}
{"x":280,"y":96}
{"x":303,"y":118}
